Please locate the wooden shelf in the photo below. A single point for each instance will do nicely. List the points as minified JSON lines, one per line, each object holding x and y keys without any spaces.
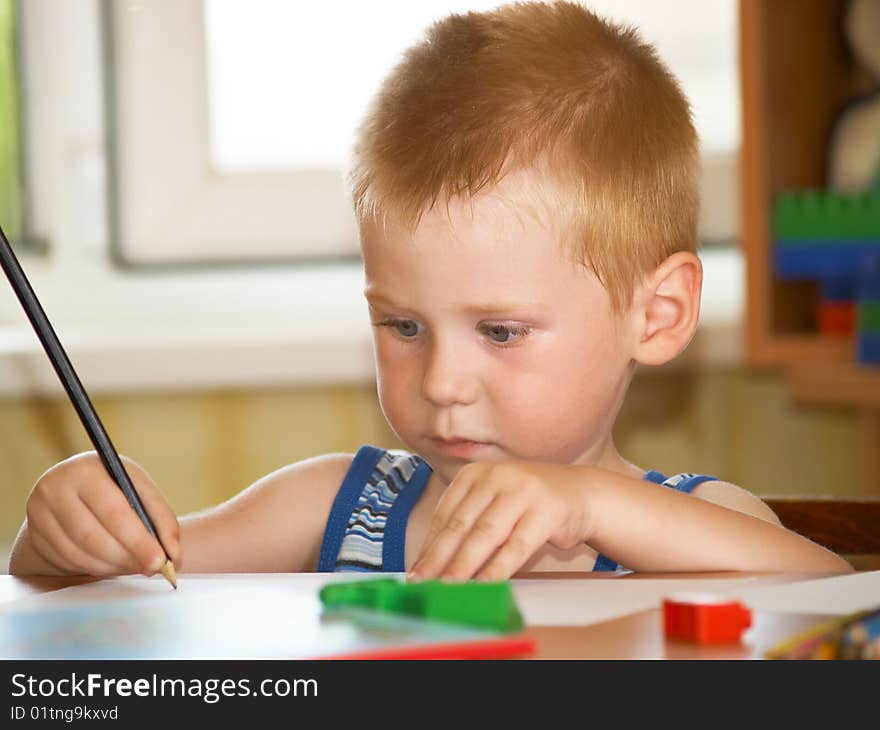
{"x":836,"y":383}
{"x":765,"y":350}
{"x":796,"y":76}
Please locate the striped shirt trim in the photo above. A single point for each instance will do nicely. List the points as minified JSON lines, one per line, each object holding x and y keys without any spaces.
{"x":366,"y":534}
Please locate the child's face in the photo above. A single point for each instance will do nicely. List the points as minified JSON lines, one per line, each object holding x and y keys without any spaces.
{"x":490,"y":343}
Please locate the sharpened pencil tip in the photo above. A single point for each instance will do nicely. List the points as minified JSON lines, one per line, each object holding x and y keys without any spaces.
{"x":167,"y":570}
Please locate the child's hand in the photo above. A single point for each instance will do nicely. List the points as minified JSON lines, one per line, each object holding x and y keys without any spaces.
{"x":495,"y":515}
{"x":79,"y":521}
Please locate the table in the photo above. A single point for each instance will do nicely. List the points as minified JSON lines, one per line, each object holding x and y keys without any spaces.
{"x":634,"y":636}
{"x":640,"y":635}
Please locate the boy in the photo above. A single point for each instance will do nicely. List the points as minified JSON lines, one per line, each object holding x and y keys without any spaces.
{"x":526,"y":188}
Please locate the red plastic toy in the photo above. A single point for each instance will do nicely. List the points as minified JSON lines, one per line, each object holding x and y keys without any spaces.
{"x":705,"y":618}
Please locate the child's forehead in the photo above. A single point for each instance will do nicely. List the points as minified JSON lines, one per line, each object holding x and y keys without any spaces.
{"x":491,"y":252}
{"x":524,"y":202}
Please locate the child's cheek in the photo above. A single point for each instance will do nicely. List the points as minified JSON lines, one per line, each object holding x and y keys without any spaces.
{"x":397,"y":387}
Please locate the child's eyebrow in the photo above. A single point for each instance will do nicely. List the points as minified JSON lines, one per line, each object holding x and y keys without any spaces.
{"x":482,"y":308}
{"x":501,"y":307}
{"x":375,"y":297}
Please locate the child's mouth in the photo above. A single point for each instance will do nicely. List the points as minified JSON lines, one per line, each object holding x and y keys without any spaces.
{"x":462,"y":448}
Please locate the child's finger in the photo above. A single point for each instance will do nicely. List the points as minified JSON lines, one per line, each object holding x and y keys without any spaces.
{"x":109,"y":548}
{"x":86,"y":533}
{"x":113,"y":511}
{"x":49,"y":552}
{"x":54,"y":535}
{"x":160,"y":512}
{"x":526,"y":538}
{"x":465,"y":485}
{"x":446,"y":507}
{"x":451,"y":534}
{"x":493,"y":528}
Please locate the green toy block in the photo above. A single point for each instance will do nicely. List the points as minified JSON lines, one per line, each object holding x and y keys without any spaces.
{"x":406,"y":598}
{"x":488,"y":605}
{"x":355,"y":593}
{"x":817,"y":215}
{"x":869,"y":317}
{"x":484,"y":605}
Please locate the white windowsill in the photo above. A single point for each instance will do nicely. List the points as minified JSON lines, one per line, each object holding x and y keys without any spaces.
{"x":185,"y":331}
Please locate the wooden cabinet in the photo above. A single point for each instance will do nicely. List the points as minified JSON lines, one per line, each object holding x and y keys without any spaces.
{"x":797,"y":74}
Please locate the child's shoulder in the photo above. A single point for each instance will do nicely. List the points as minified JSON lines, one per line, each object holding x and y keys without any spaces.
{"x":326,"y":473}
{"x":732,"y":496}
{"x":328,"y":468}
{"x":312,"y":475}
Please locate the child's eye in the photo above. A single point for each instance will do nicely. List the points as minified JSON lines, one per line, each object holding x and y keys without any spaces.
{"x":503,"y":334}
{"x":406,"y":328}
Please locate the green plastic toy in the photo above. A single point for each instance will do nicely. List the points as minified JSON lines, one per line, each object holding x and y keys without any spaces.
{"x":817,"y":215}
{"x":484,"y":605}
{"x":869,"y":316}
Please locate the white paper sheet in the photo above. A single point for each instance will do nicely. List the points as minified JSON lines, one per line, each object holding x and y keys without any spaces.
{"x":543,"y":602}
{"x":136,"y":586}
{"x":235,"y":617}
{"x":567,"y":602}
{"x":574,"y":602}
{"x":839,"y":595}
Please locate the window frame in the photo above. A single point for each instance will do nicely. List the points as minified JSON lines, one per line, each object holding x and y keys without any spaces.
{"x":167,"y":206}
{"x":19,"y":234}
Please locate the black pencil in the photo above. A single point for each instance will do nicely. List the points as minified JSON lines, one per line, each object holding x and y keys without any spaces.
{"x":75,"y":391}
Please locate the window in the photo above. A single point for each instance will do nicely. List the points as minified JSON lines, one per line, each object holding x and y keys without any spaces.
{"x":231,"y":122}
{"x":10,"y":147}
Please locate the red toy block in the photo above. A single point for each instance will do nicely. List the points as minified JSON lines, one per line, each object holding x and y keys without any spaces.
{"x":705,"y":618}
{"x":837,"y":318}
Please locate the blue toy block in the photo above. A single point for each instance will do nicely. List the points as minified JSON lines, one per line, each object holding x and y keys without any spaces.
{"x":841,"y":289}
{"x":839,"y":259}
{"x":868,"y":352}
{"x":868,"y":278}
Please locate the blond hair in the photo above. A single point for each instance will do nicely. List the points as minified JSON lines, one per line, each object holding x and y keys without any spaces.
{"x":550,"y":85}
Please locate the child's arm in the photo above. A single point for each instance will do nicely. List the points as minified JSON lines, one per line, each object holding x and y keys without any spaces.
{"x":275,"y":525}
{"x":78,"y":522}
{"x":724,"y":528}
{"x":494,"y":516}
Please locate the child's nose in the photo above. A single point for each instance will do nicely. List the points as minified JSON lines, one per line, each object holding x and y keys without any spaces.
{"x":449,"y":376}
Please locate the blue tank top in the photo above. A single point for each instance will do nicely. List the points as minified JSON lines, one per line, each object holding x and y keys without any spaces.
{"x":366,"y":528}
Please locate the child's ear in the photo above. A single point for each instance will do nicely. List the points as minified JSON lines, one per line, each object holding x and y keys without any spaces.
{"x":667,"y":309}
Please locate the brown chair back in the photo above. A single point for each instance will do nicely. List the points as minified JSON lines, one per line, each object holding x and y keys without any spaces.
{"x":849,"y":526}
